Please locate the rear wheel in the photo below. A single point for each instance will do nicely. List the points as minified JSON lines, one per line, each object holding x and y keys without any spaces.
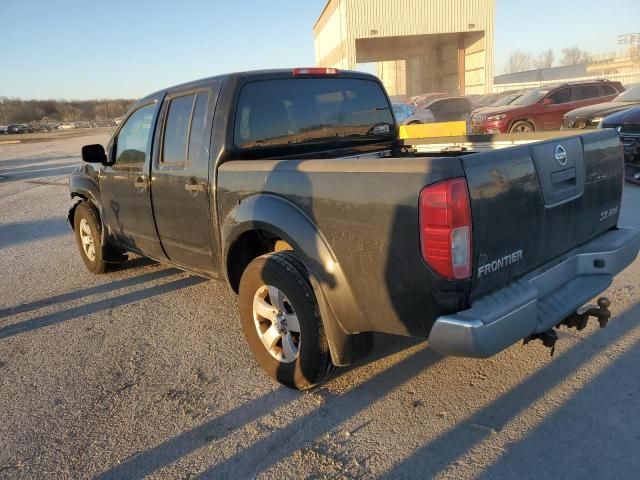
{"x":522,"y":127}
{"x":281,"y":321}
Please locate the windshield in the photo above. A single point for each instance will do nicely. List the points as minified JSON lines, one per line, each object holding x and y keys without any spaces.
{"x":303,"y":110}
{"x":531,"y":97}
{"x":631,"y":95}
{"x":506,"y":100}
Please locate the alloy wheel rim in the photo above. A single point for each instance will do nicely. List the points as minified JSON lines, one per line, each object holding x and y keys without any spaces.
{"x":86,"y":238}
{"x":276,"y":324}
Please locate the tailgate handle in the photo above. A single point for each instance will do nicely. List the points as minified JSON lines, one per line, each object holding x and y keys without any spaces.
{"x":564,"y":178}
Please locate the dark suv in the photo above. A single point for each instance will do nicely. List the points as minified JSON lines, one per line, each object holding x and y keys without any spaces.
{"x":543,"y":108}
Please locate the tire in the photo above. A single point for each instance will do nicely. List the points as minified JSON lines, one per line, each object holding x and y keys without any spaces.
{"x":292,"y":319}
{"x":522,"y":126}
{"x":415,"y":122}
{"x":88,"y":229}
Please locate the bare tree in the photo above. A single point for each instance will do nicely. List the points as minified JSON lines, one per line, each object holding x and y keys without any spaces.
{"x":544,"y":59}
{"x":518,"y":61}
{"x":574,"y":56}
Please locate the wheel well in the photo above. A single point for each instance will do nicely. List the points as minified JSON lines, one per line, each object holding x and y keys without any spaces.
{"x":248,"y":246}
{"x":78,"y":198}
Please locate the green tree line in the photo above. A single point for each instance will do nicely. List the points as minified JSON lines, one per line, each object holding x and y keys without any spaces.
{"x":16,"y":110}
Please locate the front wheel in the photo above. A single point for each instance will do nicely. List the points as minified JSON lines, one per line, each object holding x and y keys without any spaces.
{"x":281,"y":321}
{"x":88,"y":233}
{"x":522,"y":127}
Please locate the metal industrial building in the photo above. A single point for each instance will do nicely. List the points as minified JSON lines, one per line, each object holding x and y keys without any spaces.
{"x":419,"y":46}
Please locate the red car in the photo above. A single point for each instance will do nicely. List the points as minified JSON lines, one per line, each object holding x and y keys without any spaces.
{"x":543,"y":108}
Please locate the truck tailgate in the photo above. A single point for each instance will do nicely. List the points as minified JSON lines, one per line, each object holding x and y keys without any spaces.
{"x":532,"y":203}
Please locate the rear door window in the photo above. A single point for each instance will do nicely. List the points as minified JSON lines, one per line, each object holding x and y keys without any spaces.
{"x":585,"y":92}
{"x":308,"y":110}
{"x":196,"y":135}
{"x":174,"y":148}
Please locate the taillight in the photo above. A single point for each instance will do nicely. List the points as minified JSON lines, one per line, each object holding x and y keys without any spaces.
{"x":445,"y":228}
{"x":298,"y":72}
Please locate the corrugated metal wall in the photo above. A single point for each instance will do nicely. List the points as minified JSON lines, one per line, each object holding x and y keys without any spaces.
{"x":361,"y":19}
{"x":415,"y":17}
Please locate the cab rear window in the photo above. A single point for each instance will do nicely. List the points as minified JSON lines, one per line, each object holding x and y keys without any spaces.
{"x":307,"y":110}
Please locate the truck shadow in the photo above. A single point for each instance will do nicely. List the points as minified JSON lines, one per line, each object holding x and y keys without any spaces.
{"x":97,"y":289}
{"x":435,"y":456}
{"x":336,"y":409}
{"x":606,"y":444}
{"x":100,"y":305}
{"x":32,"y":230}
{"x":281,"y":442}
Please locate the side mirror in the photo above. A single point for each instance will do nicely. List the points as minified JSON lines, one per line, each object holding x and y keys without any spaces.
{"x":548,"y":101}
{"x":94,"y":154}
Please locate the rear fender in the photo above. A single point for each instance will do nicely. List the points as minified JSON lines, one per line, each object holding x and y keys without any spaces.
{"x":284,"y":220}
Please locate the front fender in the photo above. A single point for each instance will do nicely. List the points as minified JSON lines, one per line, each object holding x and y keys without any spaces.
{"x":83,"y":183}
{"x":84,"y":187}
{"x":281,"y":218}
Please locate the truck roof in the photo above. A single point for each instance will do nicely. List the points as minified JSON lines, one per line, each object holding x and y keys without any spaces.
{"x":255,"y":75}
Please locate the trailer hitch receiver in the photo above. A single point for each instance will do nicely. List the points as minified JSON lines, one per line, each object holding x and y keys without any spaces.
{"x":579,"y":319}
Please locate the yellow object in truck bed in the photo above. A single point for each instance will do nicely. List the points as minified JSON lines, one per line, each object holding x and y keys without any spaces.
{"x":428,"y":130}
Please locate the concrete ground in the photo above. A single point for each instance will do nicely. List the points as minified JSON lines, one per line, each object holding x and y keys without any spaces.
{"x":145,"y":372}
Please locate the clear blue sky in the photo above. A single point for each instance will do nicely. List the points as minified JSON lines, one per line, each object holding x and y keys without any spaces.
{"x":127,"y":48}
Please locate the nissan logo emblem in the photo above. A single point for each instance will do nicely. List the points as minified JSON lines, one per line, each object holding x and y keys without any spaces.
{"x":561,"y":155}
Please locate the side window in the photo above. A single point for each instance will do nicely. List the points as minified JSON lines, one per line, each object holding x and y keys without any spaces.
{"x":133,"y":138}
{"x":606,"y":90}
{"x":585,"y":92}
{"x":174,"y":145}
{"x":196,"y":136}
{"x":561,"y":96}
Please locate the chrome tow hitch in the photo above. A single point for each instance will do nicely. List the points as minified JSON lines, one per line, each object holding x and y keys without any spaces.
{"x":577,"y":320}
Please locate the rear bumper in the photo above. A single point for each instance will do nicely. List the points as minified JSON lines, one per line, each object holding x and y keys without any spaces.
{"x":538,"y":301}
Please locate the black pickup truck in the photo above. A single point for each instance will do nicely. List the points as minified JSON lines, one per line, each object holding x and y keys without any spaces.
{"x":292,"y":187}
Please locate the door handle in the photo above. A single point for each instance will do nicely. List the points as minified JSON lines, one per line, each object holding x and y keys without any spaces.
{"x":141,"y":182}
{"x":194,"y":186}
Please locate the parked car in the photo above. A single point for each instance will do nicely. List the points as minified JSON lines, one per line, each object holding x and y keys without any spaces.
{"x":479,"y":101}
{"x":442,"y":110}
{"x":66,"y":126}
{"x":506,"y":99}
{"x":19,"y":128}
{"x":296,"y":192}
{"x":627,"y":124}
{"x":420,"y":100}
{"x":591,"y":116}
{"x":543,"y":108}
{"x":403,"y":111}
{"x":3,"y":130}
